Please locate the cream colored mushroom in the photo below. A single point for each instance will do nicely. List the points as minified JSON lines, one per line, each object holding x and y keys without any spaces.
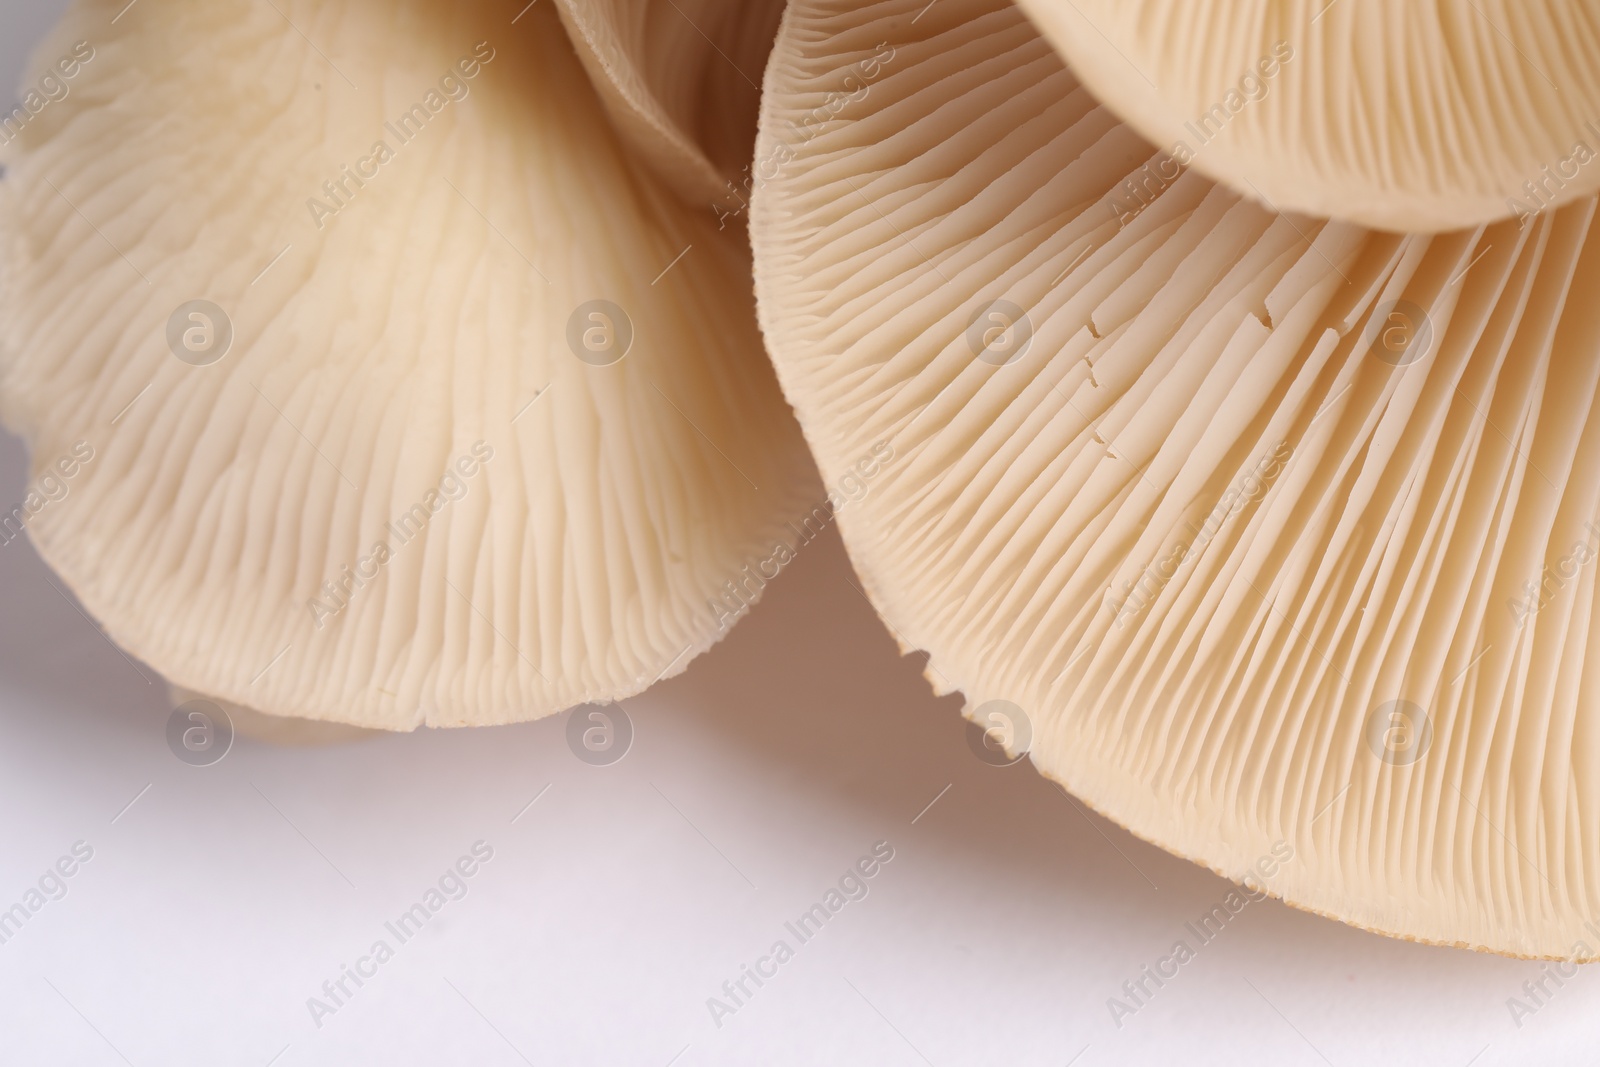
{"x":681,"y":80}
{"x":1278,"y":534}
{"x":1415,"y":117}
{"x":410,"y":398}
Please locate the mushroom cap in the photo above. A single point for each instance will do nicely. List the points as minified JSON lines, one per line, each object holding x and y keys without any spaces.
{"x":393,"y":391}
{"x":681,"y":80}
{"x":1228,"y":517}
{"x":1415,"y":117}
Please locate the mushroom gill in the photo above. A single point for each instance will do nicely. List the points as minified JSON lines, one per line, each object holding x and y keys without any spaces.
{"x":412,"y":398}
{"x":1419,"y":117}
{"x":1278,"y":534}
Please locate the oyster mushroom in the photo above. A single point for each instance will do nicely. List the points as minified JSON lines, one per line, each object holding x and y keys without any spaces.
{"x":681,"y":80}
{"x":1416,"y":117}
{"x":412,"y":397}
{"x":1278,"y":533}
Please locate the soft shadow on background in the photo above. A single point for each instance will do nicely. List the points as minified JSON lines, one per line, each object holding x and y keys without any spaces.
{"x":616,"y":900}
{"x":223,"y":897}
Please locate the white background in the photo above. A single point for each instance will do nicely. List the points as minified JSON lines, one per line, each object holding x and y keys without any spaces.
{"x":617,"y":904}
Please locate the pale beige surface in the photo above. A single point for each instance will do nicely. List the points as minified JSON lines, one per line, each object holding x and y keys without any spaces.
{"x":1205,"y":528}
{"x":375,"y":349}
{"x":1418,"y":116}
{"x":681,"y":80}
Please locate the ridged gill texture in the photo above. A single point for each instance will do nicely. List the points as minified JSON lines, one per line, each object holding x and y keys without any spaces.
{"x":1263,"y":534}
{"x":1419,"y":116}
{"x":494,"y":426}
